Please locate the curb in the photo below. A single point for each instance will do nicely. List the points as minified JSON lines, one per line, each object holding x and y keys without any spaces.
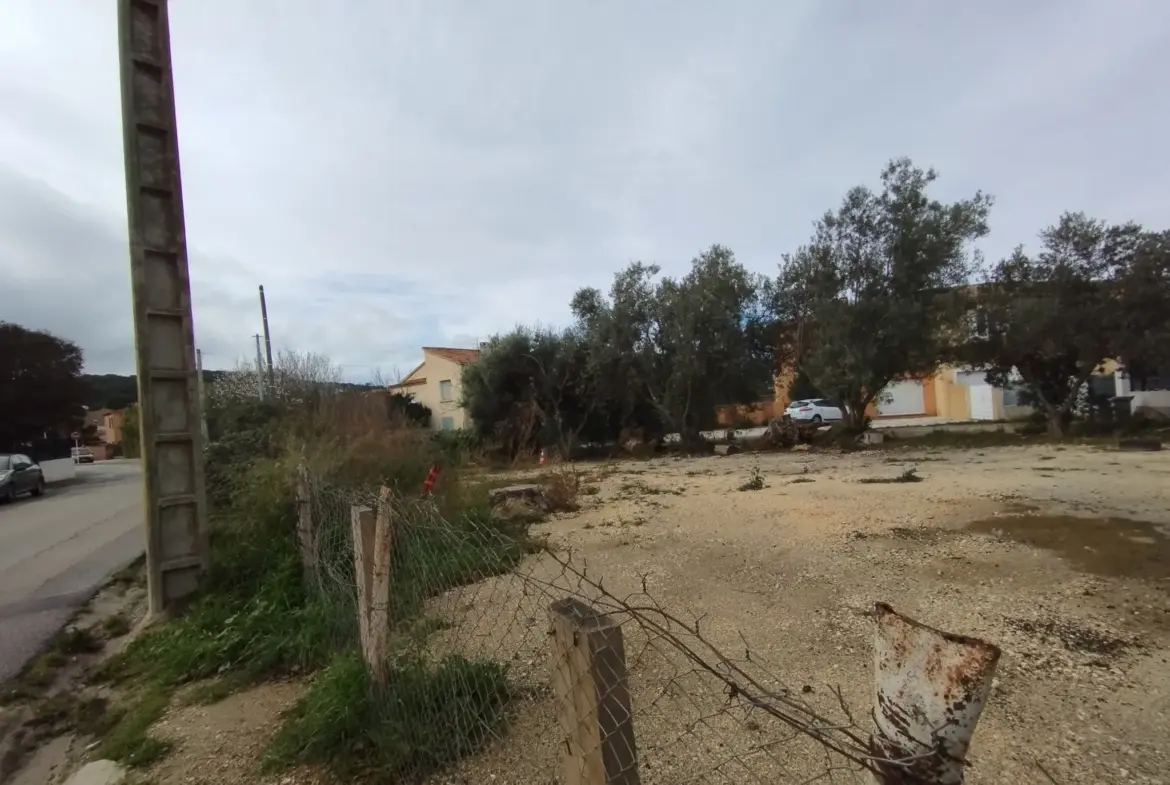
{"x":65,"y":483}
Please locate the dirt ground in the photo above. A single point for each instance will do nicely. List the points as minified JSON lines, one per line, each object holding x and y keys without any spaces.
{"x":1059,"y":555}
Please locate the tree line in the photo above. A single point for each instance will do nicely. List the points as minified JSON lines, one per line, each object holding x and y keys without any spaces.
{"x":40,"y":391}
{"x":890,"y":285}
{"x":44,"y":396}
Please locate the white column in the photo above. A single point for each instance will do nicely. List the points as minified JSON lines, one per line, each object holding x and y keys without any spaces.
{"x":1121,"y":383}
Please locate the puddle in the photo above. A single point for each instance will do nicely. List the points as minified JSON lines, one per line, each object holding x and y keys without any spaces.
{"x":1117,"y":547}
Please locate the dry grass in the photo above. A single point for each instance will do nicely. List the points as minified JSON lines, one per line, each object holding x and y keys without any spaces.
{"x":562,"y":487}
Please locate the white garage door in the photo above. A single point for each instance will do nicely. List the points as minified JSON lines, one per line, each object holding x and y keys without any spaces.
{"x":982,"y":394}
{"x":902,"y":398}
{"x":982,"y":401}
{"x":971,"y":378}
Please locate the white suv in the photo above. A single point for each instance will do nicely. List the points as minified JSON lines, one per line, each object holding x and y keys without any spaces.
{"x":813,"y":410}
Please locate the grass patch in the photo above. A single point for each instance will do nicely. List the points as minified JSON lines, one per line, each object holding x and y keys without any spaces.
{"x":42,"y":671}
{"x":129,"y":741}
{"x":266,"y":630}
{"x":257,"y":619}
{"x":755,"y":480}
{"x":910,"y":475}
{"x":601,"y":473}
{"x":66,"y":711}
{"x":77,"y":640}
{"x":639,"y":488}
{"x":213,"y":691}
{"x":116,"y":626}
{"x":38,"y":675}
{"x":427,"y":716}
{"x":133,"y":574}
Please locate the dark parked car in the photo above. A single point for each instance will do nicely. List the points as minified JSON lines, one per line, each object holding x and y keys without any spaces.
{"x":19,"y":474}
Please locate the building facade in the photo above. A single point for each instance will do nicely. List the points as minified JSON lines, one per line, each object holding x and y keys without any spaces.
{"x":437,"y":383}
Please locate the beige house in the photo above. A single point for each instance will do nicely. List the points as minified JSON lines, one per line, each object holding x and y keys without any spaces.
{"x":437,"y":384}
{"x":956,"y":394}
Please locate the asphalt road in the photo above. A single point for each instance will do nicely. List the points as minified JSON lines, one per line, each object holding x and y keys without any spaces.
{"x":55,"y":552}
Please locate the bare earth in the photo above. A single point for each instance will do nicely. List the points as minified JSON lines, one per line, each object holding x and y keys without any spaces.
{"x":1061,"y":556}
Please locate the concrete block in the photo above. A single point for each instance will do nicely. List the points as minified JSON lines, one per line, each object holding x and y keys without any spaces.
{"x":99,"y":772}
{"x":1142,"y":445}
{"x":528,"y":493}
{"x":58,"y":470}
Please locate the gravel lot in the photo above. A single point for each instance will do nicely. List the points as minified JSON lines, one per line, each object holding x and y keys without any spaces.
{"x":1059,"y":555}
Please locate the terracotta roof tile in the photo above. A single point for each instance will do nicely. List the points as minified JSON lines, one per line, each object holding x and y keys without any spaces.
{"x":460,"y":356}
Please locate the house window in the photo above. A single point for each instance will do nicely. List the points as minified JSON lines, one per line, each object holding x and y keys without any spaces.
{"x":446,"y":394}
{"x":1015,"y":394}
{"x":448,"y":423}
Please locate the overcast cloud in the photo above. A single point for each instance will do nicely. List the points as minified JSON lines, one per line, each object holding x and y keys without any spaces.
{"x":400,"y":174}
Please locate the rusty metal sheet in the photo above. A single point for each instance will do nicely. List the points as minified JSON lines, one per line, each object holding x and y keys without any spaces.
{"x":930,"y":688}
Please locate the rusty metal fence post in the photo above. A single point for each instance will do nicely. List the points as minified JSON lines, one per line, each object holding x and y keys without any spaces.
{"x":593,"y":697}
{"x":930,"y":688}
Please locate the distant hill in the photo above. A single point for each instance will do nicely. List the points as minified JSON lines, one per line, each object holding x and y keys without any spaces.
{"x":110,"y":390}
{"x":115,"y":391}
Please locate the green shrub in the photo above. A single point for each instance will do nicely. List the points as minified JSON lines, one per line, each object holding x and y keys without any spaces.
{"x":262,"y":627}
{"x":127,"y":738}
{"x":427,"y":716}
{"x":256,"y":618}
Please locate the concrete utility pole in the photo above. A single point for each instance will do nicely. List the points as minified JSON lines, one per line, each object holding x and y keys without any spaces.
{"x":260,"y":385}
{"x":267,"y":341}
{"x":164,"y":334}
{"x":202,"y":398}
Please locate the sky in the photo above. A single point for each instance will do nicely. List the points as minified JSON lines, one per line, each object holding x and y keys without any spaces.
{"x":402,"y":173}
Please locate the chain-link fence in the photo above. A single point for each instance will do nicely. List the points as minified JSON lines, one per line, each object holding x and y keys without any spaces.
{"x":495,"y":658}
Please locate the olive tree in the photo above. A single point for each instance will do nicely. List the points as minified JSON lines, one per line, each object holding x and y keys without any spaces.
{"x":1054,"y":317}
{"x":871,"y":298}
{"x":685,"y":345}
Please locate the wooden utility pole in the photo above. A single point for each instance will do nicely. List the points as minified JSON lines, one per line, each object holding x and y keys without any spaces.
{"x":164,"y":335}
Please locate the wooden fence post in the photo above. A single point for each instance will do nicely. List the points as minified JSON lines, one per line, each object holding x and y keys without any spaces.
{"x":306,"y":534}
{"x":593,"y":696}
{"x":371,"y":557}
{"x":930,"y":688}
{"x":380,"y":603}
